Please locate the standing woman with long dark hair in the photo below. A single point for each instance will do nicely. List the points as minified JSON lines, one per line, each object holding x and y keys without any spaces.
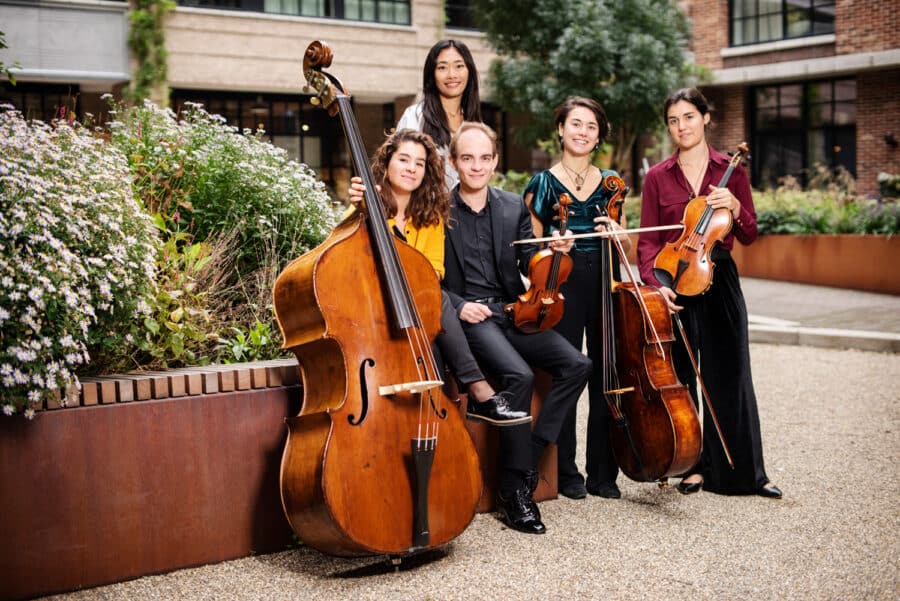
{"x":449,"y":97}
{"x":715,"y":321}
{"x":581,"y":126}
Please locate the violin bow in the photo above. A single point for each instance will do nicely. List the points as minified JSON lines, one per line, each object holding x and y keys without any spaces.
{"x":684,"y":339}
{"x":606,"y":234}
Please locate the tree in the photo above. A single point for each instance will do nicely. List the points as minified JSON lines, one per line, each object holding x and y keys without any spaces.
{"x":629,"y":55}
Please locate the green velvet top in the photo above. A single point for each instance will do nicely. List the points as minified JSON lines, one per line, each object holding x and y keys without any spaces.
{"x":547,"y":189}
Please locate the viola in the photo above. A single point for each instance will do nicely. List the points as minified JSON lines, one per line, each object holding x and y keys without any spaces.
{"x":655,"y":431}
{"x":378,"y":461}
{"x":541,"y":306}
{"x":685,"y":265}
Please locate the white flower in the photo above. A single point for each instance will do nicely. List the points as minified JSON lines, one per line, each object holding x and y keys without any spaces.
{"x":8,"y":409}
{"x":29,"y":413}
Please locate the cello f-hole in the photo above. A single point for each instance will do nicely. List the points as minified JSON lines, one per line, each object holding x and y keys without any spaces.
{"x":363,"y":393}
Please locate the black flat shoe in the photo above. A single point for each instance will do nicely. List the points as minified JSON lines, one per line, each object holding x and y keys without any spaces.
{"x":496,"y":410}
{"x":573,"y":490}
{"x":687,"y":488}
{"x":518,"y":512}
{"x":769,"y":490}
{"x":607,"y":490}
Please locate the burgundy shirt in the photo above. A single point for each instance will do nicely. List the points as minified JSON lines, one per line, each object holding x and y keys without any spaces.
{"x":665,"y":196}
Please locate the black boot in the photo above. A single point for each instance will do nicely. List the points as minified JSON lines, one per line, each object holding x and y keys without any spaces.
{"x":517,"y":511}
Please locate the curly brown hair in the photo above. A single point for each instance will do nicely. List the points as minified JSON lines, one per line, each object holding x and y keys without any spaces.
{"x":429,"y":204}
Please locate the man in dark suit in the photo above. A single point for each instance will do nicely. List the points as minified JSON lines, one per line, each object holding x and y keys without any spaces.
{"x":483,"y":274}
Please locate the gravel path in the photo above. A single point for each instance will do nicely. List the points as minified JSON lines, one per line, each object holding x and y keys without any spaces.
{"x":830,"y":423}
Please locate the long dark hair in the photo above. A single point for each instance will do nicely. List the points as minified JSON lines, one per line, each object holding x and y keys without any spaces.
{"x":434,"y":120}
{"x":691,"y":95}
{"x":430,"y":202}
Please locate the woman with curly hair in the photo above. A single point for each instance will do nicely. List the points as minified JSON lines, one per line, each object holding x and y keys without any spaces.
{"x":409,"y":173}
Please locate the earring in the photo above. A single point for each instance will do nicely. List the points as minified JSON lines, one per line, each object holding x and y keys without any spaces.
{"x":559,"y":137}
{"x":596,"y":146}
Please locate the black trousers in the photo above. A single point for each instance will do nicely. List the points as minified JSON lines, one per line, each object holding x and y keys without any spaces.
{"x":453,"y":348}
{"x":581,"y":319}
{"x":716,"y":325}
{"x":507,"y":354}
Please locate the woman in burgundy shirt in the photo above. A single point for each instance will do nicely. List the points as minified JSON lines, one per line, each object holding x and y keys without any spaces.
{"x":715,"y":321}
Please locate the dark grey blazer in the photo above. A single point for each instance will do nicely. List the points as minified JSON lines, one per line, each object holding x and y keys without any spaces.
{"x":510,"y":220}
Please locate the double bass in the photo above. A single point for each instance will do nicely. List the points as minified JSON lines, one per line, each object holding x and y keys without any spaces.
{"x":378,"y":461}
{"x":655,"y":430}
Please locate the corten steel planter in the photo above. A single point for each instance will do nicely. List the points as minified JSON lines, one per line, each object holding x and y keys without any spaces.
{"x":160,"y":471}
{"x":854,"y":261}
{"x":100,"y":494}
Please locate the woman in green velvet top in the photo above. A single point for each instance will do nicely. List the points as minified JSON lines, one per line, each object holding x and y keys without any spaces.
{"x":582,"y":126}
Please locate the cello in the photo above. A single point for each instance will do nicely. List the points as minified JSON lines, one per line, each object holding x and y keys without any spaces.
{"x":685,"y":265}
{"x":541,"y":306}
{"x":378,"y":460}
{"x":655,"y":430}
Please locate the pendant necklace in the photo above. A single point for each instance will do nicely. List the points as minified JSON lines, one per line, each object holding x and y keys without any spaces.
{"x":577,"y":178}
{"x":699,"y":179}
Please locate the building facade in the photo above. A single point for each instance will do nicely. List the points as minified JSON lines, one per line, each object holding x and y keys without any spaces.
{"x":804,"y":82}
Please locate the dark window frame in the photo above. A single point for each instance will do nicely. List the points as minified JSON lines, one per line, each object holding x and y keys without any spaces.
{"x":330,"y":9}
{"x":49,"y":96}
{"x":813,"y":11}
{"x":460,"y":14}
{"x":796,"y":121}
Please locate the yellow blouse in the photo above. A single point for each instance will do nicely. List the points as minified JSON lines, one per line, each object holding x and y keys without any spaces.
{"x":428,"y":240}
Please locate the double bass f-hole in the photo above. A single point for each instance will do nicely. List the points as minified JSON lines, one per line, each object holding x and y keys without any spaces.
{"x":363,"y":393}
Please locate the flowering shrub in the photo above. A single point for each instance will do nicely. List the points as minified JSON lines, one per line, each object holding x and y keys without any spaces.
{"x":76,"y":256}
{"x":239,"y":197}
{"x":829,"y":206}
{"x":205,"y":179}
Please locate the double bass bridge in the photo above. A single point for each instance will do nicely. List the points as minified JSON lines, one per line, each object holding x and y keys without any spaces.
{"x":413,"y":387}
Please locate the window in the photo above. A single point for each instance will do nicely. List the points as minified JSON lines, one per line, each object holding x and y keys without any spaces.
{"x":44,"y":102}
{"x":307,"y":133}
{"x":460,"y":14}
{"x":756,"y":21}
{"x":396,"y":12}
{"x":797,"y":126}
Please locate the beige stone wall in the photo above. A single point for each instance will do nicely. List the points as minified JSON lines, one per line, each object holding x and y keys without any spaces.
{"x":221,"y":50}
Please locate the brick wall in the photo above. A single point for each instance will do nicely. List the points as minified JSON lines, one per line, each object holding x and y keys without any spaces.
{"x":877,"y":114}
{"x":709,"y":23}
{"x":866,"y":25}
{"x":729,"y":118}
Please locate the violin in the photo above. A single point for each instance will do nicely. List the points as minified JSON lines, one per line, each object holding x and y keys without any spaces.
{"x":378,"y":461}
{"x":685,"y":265}
{"x":655,"y":431}
{"x":542,"y":305}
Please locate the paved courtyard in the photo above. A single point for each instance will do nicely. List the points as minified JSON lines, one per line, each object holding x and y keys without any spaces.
{"x":830,"y":423}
